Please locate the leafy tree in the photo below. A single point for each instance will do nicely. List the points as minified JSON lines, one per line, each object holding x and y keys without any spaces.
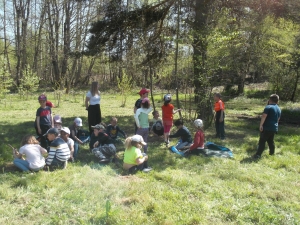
{"x":29,"y":82}
{"x":6,"y":82}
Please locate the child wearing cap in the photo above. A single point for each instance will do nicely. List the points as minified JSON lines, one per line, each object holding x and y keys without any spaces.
{"x":64,"y":134}
{"x":142,"y":122}
{"x":59,"y":152}
{"x":74,"y":135}
{"x":113,"y":130}
{"x":44,"y":120}
{"x":183,"y":133}
{"x":219,"y":116}
{"x":198,"y":144}
{"x":143,"y":94}
{"x":134,"y":159}
{"x":167,"y":116}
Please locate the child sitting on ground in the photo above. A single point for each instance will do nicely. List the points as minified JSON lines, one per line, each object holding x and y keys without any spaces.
{"x":183,"y":133}
{"x":198,"y":144}
{"x":156,"y":124}
{"x":64,"y":134}
{"x":134,"y":159}
{"x":57,"y":122}
{"x":113,"y":131}
{"x":74,"y":128}
{"x":34,"y":155}
{"x":101,"y":144}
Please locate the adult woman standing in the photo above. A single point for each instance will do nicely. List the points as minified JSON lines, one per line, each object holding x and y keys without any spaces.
{"x":92,"y":104}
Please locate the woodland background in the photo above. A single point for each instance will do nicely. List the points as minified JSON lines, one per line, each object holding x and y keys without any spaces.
{"x":184,"y":45}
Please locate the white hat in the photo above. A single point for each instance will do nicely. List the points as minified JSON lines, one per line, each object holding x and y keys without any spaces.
{"x":78,"y":122}
{"x":57,"y":119}
{"x":198,"y":123}
{"x":139,"y":139}
{"x":167,"y":97}
{"x":65,"y":129}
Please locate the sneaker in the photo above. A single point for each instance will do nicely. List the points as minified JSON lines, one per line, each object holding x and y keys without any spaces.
{"x":147,"y":170}
{"x":167,"y":143}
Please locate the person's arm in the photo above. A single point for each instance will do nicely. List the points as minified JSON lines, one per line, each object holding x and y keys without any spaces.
{"x":43,"y":151}
{"x":71,"y":150}
{"x":140,"y":160}
{"x":197,"y":140}
{"x":87,"y":99}
{"x":75,"y":138}
{"x":176,"y":111}
{"x":38,"y":125}
{"x":17,"y":154}
{"x":136,"y":118}
{"x":96,"y":144}
{"x":51,"y":155}
{"x":147,"y":111}
{"x":177,"y":134}
{"x":134,"y":109}
{"x":52,"y":121}
{"x":262,"y":120}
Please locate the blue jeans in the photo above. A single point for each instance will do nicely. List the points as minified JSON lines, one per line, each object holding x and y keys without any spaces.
{"x":76,"y":148}
{"x":24,"y":165}
{"x":181,"y":144}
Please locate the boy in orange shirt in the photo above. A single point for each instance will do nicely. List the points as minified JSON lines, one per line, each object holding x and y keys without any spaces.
{"x":219,"y":116}
{"x":167,"y":116}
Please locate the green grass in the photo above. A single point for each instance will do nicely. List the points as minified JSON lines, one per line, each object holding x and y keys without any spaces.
{"x":196,"y":190}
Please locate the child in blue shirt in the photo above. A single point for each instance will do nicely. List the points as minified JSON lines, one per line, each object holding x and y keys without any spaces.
{"x":268,"y":126}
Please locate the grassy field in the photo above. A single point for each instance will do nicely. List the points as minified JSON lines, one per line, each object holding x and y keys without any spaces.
{"x":195,"y":190}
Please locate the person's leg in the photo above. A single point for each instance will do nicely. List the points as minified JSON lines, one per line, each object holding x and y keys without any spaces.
{"x":145,"y":137}
{"x":217,"y":124}
{"x":76,"y":149}
{"x":44,"y":140}
{"x":94,"y":116}
{"x":21,"y":164}
{"x":180,"y":144}
{"x":222,"y":129}
{"x":271,"y":142}
{"x":261,"y":144}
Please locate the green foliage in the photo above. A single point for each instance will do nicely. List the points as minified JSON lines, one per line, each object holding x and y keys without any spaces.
{"x":6,"y":82}
{"x":29,"y":82}
{"x":124,"y":85}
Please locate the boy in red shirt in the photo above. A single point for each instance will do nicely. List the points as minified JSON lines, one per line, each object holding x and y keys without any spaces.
{"x":219,"y":116}
{"x":167,"y":116}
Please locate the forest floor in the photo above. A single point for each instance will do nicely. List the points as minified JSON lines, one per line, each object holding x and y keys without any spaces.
{"x":194,"y":190}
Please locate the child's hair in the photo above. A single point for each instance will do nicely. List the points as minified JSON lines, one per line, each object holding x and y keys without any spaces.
{"x":114,"y":119}
{"x":29,"y":139}
{"x":274,"y":98}
{"x":145,"y":104}
{"x":129,"y":143}
{"x":178,"y":122}
{"x":155,"y":111}
{"x":94,"y":88}
{"x":218,"y":95}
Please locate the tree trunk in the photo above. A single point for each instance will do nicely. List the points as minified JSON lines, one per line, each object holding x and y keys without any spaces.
{"x":202,"y":93}
{"x":295,"y":86}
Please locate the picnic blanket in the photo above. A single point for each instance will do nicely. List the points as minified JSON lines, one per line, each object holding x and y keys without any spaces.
{"x":211,"y":150}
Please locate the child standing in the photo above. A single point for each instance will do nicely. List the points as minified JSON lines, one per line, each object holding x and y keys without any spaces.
{"x":268,"y":126}
{"x":44,"y":120}
{"x":142,"y":122}
{"x":113,"y":130}
{"x":74,"y":135}
{"x":156,"y":124}
{"x":143,"y":94}
{"x":134,"y":159}
{"x":33,"y":152}
{"x":198,"y":144}
{"x":219,"y":116}
{"x":167,"y":114}
{"x":183,"y":133}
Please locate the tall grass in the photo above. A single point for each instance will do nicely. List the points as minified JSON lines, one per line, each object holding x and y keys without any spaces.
{"x":195,"y":190}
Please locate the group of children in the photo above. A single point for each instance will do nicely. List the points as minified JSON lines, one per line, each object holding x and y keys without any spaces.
{"x":64,"y":141}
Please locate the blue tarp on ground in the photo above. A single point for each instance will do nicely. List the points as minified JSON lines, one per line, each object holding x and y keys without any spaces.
{"x":211,"y":149}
